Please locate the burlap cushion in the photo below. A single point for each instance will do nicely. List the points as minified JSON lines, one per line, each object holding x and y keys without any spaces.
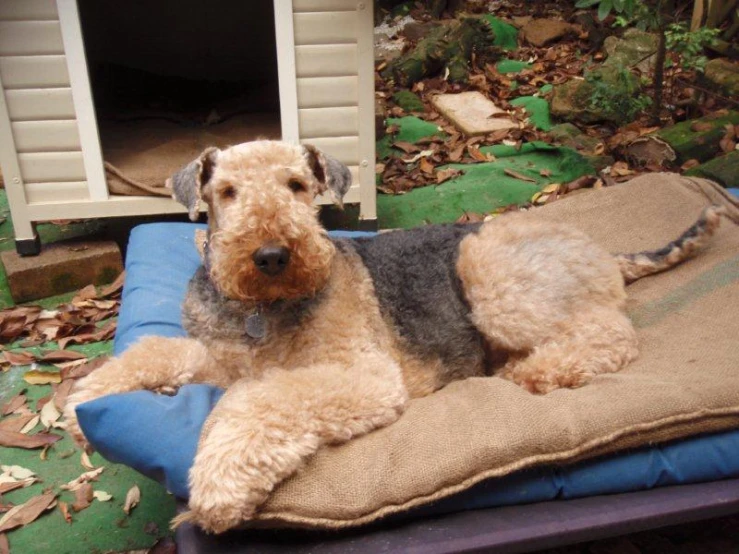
{"x":686,"y":380}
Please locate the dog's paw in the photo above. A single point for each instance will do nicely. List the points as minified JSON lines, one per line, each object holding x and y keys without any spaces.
{"x":217,"y":505}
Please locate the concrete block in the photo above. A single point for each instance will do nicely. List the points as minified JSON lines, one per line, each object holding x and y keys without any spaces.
{"x":61,"y":267}
{"x":472,"y":113}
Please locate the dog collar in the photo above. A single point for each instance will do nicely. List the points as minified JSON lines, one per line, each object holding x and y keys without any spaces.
{"x":255,"y":324}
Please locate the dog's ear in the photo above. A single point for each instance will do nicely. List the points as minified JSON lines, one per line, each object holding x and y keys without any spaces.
{"x":187,"y":184}
{"x":332,"y":175}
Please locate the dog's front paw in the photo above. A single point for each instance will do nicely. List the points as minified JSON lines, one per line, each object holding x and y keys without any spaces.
{"x":223,"y":494}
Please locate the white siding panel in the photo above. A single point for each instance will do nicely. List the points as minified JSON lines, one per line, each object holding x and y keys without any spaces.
{"x":324,"y":5}
{"x":52,"y":166}
{"x":328,"y":122}
{"x":57,"y":192}
{"x":27,"y":10}
{"x":327,"y":92}
{"x":325,"y":28}
{"x":34,"y":72}
{"x":344,"y":149}
{"x":326,"y":61}
{"x":46,"y":136}
{"x":28,"y":38}
{"x":40,"y":104}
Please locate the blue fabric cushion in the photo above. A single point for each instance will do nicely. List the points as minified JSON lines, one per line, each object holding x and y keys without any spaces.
{"x":158,"y":435}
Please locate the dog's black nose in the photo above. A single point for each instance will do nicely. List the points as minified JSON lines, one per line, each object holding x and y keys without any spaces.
{"x":271,"y":260}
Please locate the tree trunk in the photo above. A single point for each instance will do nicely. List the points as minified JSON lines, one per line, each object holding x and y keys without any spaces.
{"x":659,"y":73}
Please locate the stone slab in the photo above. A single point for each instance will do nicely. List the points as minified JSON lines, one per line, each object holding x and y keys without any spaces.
{"x":61,"y":267}
{"x":471,"y":113}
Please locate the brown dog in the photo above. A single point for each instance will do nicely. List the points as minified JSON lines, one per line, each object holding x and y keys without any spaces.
{"x":319,"y":340}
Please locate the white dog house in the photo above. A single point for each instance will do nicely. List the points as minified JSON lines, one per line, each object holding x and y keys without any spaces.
{"x":95,"y":92}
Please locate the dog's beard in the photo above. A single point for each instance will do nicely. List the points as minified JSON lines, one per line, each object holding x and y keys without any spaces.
{"x":237,"y":277}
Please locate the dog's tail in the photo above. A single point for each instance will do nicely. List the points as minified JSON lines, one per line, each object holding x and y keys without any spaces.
{"x":636,"y":266}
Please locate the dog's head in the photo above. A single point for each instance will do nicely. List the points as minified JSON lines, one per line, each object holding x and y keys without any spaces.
{"x":265,"y":240}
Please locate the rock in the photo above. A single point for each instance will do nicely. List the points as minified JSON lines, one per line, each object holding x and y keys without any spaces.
{"x":650,"y":151}
{"x":573,"y":100}
{"x":61,"y":267}
{"x":472,"y":113}
{"x":409,"y":101}
{"x":724,"y":170}
{"x":723,"y":75}
{"x":417,"y":30}
{"x":570,"y":136}
{"x":540,"y":32}
{"x":698,"y":138}
{"x":635,"y":49}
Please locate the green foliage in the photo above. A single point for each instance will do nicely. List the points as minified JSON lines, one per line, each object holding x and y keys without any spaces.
{"x":689,"y":45}
{"x":616,"y":94}
{"x":627,"y":12}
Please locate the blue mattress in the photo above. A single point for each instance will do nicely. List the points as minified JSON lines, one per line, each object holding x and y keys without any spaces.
{"x":158,"y":435}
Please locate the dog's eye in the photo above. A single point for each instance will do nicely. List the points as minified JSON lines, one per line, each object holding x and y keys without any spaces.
{"x":228,"y":192}
{"x":296,"y":186}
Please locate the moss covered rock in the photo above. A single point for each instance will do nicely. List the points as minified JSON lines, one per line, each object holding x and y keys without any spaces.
{"x":409,"y":101}
{"x":699,"y":138}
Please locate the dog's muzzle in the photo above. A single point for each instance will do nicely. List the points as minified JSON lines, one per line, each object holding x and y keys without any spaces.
{"x":271,"y":260}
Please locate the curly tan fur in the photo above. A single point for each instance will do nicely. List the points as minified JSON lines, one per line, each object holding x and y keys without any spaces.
{"x":347,"y":342}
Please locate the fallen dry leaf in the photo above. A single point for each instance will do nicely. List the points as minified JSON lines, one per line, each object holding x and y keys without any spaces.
{"x":701,"y":126}
{"x":61,"y":393}
{"x":518,"y":175}
{"x":82,"y":497}
{"x":27,"y":512}
{"x":19,"y":358}
{"x":470,"y":217}
{"x":727,"y":143}
{"x":87,"y":293}
{"x":406,"y":147}
{"x":445,"y":175}
{"x":17,"y":472}
{"x":691,"y":163}
{"x":133,"y":496}
{"x":64,"y":509}
{"x":19,"y":440}
{"x":426,"y":166}
{"x":85,"y":461}
{"x":28,"y":427}
{"x":18,"y":401}
{"x":55,"y":356}
{"x":102,"y":496}
{"x":16,"y":423}
{"x":49,"y":414}
{"x":115,"y":287}
{"x":86,"y":477}
{"x":12,"y":485}
{"x":77,"y":372}
{"x":41,"y":377}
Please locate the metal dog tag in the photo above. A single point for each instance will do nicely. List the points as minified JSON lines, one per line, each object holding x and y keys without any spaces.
{"x":255,"y":326}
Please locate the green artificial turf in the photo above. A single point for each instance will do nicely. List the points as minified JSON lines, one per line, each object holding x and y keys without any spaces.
{"x":410,"y":129}
{"x":103,"y":526}
{"x":484,"y":186}
{"x":506,"y":36}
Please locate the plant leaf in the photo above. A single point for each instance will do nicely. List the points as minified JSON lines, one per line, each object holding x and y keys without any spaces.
{"x":38,"y":377}
{"x":133,"y":496}
{"x":19,"y":440}
{"x":27,"y":512}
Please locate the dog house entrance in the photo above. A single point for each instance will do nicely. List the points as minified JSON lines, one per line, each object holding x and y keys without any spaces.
{"x":172,"y":78}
